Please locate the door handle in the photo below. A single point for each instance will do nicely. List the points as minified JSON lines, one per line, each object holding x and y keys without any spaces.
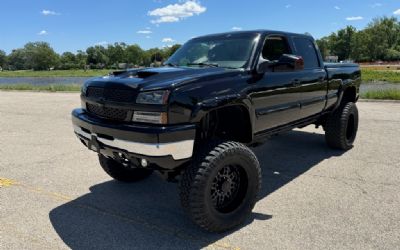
{"x":296,"y":82}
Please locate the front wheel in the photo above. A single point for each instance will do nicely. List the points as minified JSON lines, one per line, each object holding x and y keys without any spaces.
{"x":341,"y":127}
{"x":220,"y":188}
{"x":121,"y":172}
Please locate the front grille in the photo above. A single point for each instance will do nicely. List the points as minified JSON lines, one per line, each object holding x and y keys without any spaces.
{"x":94,"y":92}
{"x":115,"y":95}
{"x":108,"y":113}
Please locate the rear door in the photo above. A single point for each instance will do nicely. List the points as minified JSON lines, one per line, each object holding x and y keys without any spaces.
{"x":313,"y":82}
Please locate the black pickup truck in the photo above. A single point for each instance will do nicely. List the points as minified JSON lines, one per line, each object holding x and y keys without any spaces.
{"x":194,"y":119}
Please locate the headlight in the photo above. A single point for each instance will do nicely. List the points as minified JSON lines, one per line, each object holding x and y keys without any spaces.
{"x":150,"y":117}
{"x":153,"y":97}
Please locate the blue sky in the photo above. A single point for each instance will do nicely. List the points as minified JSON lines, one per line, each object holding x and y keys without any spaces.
{"x":70,"y":25}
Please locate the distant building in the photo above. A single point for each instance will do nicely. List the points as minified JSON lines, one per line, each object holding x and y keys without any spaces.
{"x":332,"y":59}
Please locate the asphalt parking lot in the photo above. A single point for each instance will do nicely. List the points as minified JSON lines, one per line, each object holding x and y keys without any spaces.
{"x":54,"y":195}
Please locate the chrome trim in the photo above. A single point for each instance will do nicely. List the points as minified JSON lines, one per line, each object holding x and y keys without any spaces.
{"x":178,"y":150}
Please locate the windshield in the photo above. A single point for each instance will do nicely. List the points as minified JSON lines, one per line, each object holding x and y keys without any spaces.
{"x":226,"y":51}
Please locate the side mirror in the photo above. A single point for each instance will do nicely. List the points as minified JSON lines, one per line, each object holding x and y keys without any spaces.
{"x":293,"y":62}
{"x":264,"y":66}
{"x":285,"y":63}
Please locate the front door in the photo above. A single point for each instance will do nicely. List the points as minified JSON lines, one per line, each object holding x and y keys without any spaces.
{"x":276,"y":95}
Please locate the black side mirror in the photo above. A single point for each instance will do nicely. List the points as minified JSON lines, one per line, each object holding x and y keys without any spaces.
{"x":285,"y":63}
{"x":292,"y":62}
{"x":264,"y":66}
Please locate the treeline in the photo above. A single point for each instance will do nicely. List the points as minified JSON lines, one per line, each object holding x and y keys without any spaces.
{"x":41,"y":56}
{"x":379,"y":41}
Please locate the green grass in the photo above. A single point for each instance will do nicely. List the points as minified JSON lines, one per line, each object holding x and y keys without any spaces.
{"x":55,"y":73}
{"x":388,"y":94}
{"x":46,"y":88}
{"x":391,"y":76}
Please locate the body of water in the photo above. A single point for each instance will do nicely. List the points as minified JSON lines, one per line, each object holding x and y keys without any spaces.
{"x":378,"y":86}
{"x":43,"y":80}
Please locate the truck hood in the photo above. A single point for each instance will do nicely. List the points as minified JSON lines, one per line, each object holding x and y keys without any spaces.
{"x":157,"y":78}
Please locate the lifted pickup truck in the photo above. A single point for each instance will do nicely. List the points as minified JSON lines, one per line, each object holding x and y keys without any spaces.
{"x":194,"y":119}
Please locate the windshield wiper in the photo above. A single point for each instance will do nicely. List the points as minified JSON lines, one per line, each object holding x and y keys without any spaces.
{"x":203,"y":64}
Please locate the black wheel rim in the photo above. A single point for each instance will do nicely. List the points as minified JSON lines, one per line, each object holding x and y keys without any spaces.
{"x":350,"y":133}
{"x":228,"y":188}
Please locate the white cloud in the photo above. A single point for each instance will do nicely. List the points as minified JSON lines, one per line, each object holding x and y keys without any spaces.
{"x":376,"y":5}
{"x":176,"y":12}
{"x":288,"y":6}
{"x":167,"y":40}
{"x":337,"y":8}
{"x":165,"y":19}
{"x":49,"y":13}
{"x":144,"y":32}
{"x":236,"y":28}
{"x":102,"y":43}
{"x":43,"y":33}
{"x":397,"y":12}
{"x":148,"y":37}
{"x":354,"y":18}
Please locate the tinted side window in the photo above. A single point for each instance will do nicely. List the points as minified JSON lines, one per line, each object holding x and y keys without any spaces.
{"x":306,"y":49}
{"x":275,"y":47}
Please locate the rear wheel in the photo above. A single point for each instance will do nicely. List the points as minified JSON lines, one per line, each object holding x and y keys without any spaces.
{"x":220,"y":188}
{"x":123,"y":172}
{"x":341,"y":127}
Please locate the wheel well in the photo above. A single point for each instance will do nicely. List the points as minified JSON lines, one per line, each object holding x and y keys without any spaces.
{"x":349,"y":95}
{"x":229,"y":123}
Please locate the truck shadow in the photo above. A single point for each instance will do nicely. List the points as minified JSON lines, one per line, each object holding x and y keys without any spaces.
{"x":148,"y":215}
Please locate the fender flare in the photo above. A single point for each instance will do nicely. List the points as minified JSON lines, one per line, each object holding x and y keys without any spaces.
{"x":203,"y":108}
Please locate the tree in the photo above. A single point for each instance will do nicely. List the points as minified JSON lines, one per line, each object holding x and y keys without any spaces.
{"x":359,"y":45}
{"x":68,"y":61}
{"x":168,"y":51}
{"x":323,"y":45}
{"x":154,"y":55}
{"x":3,"y":59}
{"x":97,"y":56}
{"x":383,"y":36}
{"x":116,"y":53}
{"x":134,"y":55}
{"x":380,"y":40}
{"x":340,"y":42}
{"x":17,"y":59}
{"x":40,"y":56}
{"x":81,"y":59}
{"x":392,"y":55}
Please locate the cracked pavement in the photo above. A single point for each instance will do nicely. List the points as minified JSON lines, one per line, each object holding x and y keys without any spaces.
{"x":54,"y":195}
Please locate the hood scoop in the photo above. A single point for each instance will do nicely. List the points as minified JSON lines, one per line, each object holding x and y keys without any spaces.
{"x":134,"y":74}
{"x":145,"y":74}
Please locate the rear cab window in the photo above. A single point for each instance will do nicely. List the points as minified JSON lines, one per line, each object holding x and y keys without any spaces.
{"x":305,"y":48}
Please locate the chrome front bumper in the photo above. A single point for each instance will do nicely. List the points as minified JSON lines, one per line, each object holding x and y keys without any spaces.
{"x":178,"y":150}
{"x":166,"y":146}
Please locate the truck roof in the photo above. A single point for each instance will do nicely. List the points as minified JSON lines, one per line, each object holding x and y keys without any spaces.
{"x":257,"y":31}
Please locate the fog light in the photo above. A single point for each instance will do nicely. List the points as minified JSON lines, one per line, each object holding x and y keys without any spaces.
{"x":144,"y":163}
{"x":150,"y":117}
